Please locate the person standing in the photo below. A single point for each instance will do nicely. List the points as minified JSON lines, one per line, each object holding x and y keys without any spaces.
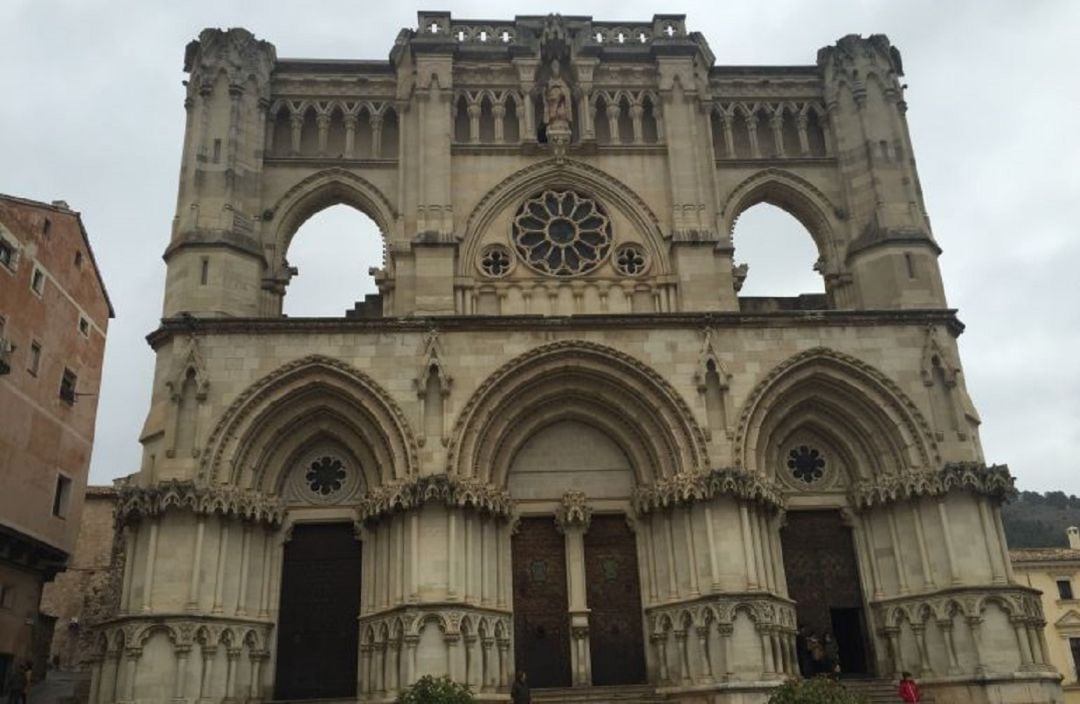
{"x":832,"y":654}
{"x":802,"y":653}
{"x":908,"y":690}
{"x":519,"y":692}
{"x":19,"y":683}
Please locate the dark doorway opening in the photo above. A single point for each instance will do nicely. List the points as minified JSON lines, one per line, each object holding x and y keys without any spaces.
{"x":613,"y":588}
{"x":823,"y":579}
{"x":541,"y":617}
{"x":318,"y":632}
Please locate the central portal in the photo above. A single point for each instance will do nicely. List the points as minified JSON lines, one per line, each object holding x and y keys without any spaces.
{"x":823,"y":579}
{"x":318,"y":631}
{"x":611,"y":576}
{"x":541,"y":621}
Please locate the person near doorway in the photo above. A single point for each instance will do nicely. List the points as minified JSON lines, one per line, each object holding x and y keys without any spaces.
{"x":19,"y":683}
{"x":832,"y":654}
{"x":908,"y":690}
{"x":802,"y":653}
{"x":818,"y":665}
{"x":519,"y":692}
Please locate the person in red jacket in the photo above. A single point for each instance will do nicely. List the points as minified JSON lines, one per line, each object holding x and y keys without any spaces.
{"x":908,"y":690}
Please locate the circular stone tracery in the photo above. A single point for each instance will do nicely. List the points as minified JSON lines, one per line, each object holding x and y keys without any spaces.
{"x":806,"y":463}
{"x":562,"y":233}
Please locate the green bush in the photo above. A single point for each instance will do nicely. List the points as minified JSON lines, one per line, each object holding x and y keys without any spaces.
{"x":436,"y":690}
{"x":819,"y":690}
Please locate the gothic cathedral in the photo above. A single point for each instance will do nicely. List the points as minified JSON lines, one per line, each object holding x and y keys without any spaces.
{"x":558,"y":440}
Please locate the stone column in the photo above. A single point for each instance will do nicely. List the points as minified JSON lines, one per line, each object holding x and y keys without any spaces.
{"x":776,"y":122}
{"x":710,"y":536}
{"x":729,"y":135}
{"x":504,"y":663}
{"x":893,"y":636}
{"x":232,"y":656}
{"x":133,"y":655}
{"x":804,"y":141}
{"x":947,"y":536}
{"x":748,"y":549}
{"x":95,"y":680}
{"x":706,"y":660}
{"x":637,"y":111}
{"x":151,"y":559}
{"x":868,"y":528}
{"x":180,"y":681}
{"x":946,"y":626}
{"x":410,"y":659}
{"x":691,"y":566}
{"x":898,"y":556}
{"x":365,"y":669}
{"x":920,"y":538}
{"x":989,"y":536}
{"x":219,"y":574}
{"x":572,"y":519}
{"x":196,"y":564}
{"x":486,"y":681}
{"x":684,"y":657}
{"x":659,"y":641}
{"x":245,"y":567}
{"x":473,"y":110}
{"x":258,"y":657}
{"x":206,"y":677}
{"x":1019,"y":624}
{"x":296,"y":123}
{"x":925,"y":667}
{"x":350,"y":135}
{"x":376,"y":135}
{"x":751,"y":131}
{"x":267,"y":561}
{"x":129,"y":564}
{"x":727,"y":648}
{"x":975,"y":626}
{"x":498,"y":112}
{"x":766,"y":652}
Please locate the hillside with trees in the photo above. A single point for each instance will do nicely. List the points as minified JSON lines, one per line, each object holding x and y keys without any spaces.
{"x":1034,"y":520}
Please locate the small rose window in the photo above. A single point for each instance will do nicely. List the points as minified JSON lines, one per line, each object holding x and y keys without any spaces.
{"x":495,"y":261}
{"x":806,"y":463}
{"x":325,"y":476}
{"x":562,"y":233}
{"x":630,"y":260}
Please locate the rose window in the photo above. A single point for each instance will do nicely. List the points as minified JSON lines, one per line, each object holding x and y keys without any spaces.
{"x":630,"y":260}
{"x":562,"y":233}
{"x":325,"y":476}
{"x":806,"y":463}
{"x":495,"y":261}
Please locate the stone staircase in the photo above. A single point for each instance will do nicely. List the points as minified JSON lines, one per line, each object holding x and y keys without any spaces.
{"x":619,"y":694}
{"x":878,"y":691}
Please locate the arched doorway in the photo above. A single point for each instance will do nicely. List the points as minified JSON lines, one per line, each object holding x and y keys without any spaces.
{"x":577,"y":595}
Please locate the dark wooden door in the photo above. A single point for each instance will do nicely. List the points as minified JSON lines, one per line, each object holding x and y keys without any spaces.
{"x":318,"y":633}
{"x":614,"y":598}
{"x":823,"y":579}
{"x":541,"y":618}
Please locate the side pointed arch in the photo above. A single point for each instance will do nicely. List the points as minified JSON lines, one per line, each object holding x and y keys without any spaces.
{"x":566,"y":173}
{"x":860,"y":407}
{"x":592,"y":384}
{"x":315,"y":396}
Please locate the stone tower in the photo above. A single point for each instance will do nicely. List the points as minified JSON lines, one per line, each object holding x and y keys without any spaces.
{"x":566,"y":445}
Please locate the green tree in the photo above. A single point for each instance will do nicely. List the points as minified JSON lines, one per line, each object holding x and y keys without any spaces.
{"x":436,"y":690}
{"x":819,"y":690}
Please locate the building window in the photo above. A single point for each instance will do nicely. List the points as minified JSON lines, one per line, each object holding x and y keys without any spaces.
{"x":7,"y":254}
{"x":62,"y":497}
{"x":37,"y":281}
{"x":67,"y":386}
{"x":7,"y":596}
{"x":1064,"y":589}
{"x":84,"y":326}
{"x":1074,"y":646}
{"x":33,"y":364}
{"x":78,"y":260}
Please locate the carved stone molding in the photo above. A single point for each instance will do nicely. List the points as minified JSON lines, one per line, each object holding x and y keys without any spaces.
{"x":454,"y":621}
{"x":686,"y":489}
{"x":993,"y":481}
{"x":573,"y":511}
{"x":721,"y":610}
{"x":134,"y":503}
{"x":132,"y":633}
{"x":1019,"y":603}
{"x":450,"y":491}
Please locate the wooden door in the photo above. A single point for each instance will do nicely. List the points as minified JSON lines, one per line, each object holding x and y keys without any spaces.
{"x":318,"y":632}
{"x":613,"y":589}
{"x":541,"y":617}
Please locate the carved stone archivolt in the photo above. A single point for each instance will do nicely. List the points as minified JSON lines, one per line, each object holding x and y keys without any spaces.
{"x":703,"y":486}
{"x":134,"y":503}
{"x":993,"y":481}
{"x":456,"y":492}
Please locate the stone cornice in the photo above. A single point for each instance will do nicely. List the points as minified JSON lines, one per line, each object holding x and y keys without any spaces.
{"x":451,"y":491}
{"x":686,"y":489}
{"x":993,"y":481}
{"x":171,"y":327}
{"x":134,"y":503}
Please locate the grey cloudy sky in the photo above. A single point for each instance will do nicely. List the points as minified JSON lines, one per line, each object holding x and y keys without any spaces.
{"x":92,"y":113}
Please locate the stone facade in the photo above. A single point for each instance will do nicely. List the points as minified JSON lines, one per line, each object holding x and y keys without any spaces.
{"x":562,"y":359}
{"x":1056,"y":573}
{"x":54,"y":314}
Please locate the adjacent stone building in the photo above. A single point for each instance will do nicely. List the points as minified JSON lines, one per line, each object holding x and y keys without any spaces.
{"x":566,"y":445}
{"x":54,"y":314}
{"x":1056,"y":573}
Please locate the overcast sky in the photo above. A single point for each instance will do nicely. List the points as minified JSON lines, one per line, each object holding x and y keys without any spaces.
{"x":92,"y":114}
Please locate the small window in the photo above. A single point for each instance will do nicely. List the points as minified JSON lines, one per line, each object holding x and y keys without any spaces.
{"x":217,"y":150}
{"x":33,"y":364}
{"x":204,"y":271}
{"x":37,"y":281}
{"x":67,"y":386}
{"x":1074,"y":646}
{"x":7,"y":254}
{"x":1064,"y":589}
{"x":7,"y":596}
{"x":84,"y":326}
{"x":62,"y":497}
{"x":46,"y":227}
{"x":78,"y":259}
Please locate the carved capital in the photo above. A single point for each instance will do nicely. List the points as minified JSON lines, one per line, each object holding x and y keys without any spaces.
{"x":573,"y":511}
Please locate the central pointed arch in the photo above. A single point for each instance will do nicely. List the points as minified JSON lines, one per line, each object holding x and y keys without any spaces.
{"x":584,"y":382}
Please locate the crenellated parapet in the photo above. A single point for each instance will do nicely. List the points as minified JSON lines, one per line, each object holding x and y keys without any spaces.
{"x":135,"y":503}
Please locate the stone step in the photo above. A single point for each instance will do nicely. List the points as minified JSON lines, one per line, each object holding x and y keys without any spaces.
{"x":878,"y":691}
{"x":620,"y":694}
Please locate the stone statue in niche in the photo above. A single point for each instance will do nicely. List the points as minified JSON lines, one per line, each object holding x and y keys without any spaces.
{"x":557,"y":110}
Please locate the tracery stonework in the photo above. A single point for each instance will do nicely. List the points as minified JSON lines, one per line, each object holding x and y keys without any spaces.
{"x":566,"y":443}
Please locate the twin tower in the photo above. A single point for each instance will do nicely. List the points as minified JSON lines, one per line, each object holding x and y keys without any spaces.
{"x":557,"y":440}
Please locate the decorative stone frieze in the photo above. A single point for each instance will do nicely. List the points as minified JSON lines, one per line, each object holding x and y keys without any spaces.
{"x":458,"y":492}
{"x":993,"y":481}
{"x":702,"y":486}
{"x":134,"y":503}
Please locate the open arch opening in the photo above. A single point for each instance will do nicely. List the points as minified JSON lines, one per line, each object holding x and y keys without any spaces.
{"x":780,"y":253}
{"x":330,"y":257}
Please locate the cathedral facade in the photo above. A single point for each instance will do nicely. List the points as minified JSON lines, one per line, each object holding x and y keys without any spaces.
{"x":557,"y":440}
